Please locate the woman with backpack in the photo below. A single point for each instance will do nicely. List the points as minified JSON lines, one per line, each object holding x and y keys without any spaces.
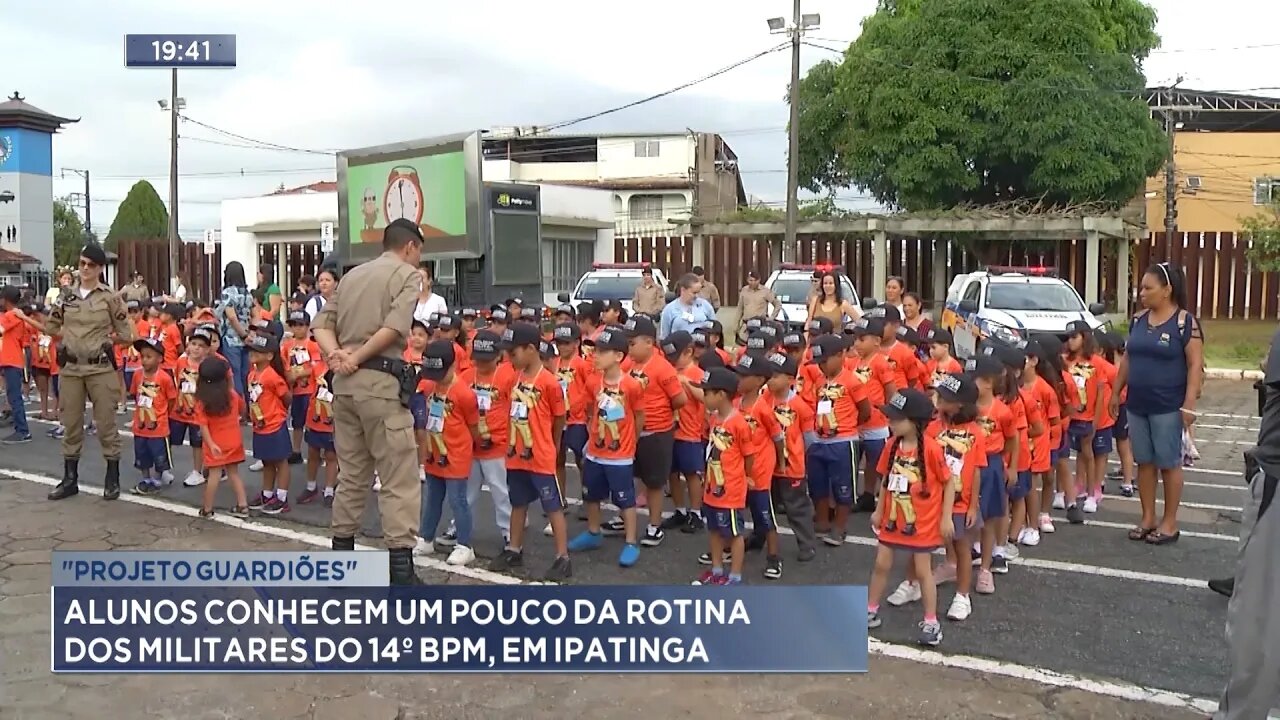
{"x":1163,"y":369}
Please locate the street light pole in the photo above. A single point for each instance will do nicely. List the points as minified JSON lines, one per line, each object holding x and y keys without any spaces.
{"x":799,"y":23}
{"x":88,"y":214}
{"x":173,"y":181}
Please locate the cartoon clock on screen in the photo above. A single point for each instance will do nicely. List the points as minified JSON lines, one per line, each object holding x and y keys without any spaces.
{"x":404,"y":195}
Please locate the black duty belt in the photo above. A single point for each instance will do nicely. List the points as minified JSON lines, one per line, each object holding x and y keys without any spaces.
{"x":386,"y":365}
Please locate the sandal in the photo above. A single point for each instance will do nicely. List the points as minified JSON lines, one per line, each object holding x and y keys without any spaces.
{"x":1140,"y":533}
{"x":1159,"y":538}
{"x":206,"y":513}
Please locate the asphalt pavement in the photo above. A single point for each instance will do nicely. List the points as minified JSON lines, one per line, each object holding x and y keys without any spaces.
{"x":1086,"y":602}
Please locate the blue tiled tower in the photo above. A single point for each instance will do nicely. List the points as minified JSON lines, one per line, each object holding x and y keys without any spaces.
{"x":26,"y":185}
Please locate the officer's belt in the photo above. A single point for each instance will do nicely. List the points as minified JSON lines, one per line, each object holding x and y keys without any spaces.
{"x":386,"y":365}
{"x":99,"y":359}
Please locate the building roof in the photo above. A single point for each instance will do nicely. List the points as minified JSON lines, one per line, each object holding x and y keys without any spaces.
{"x":534,"y":132}
{"x":9,"y":257}
{"x":1218,"y":111}
{"x":323,"y":186}
{"x":17,"y":112}
{"x":636,"y":183}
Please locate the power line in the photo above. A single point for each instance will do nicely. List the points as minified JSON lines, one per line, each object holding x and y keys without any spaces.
{"x":265,"y":144}
{"x":218,"y":174}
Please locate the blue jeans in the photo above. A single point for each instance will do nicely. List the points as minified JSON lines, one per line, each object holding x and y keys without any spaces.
{"x":1156,"y":439}
{"x":14,"y":383}
{"x":455,"y":491}
{"x":238,"y":357}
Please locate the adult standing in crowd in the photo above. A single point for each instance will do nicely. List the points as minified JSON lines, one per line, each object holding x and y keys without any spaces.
{"x":830,"y":302}
{"x":180,"y":292}
{"x":893,"y":289}
{"x":755,"y":300}
{"x":708,"y":290}
{"x":91,"y":320}
{"x":1253,"y":625}
{"x":1163,"y":368}
{"x":689,"y":311}
{"x":272,"y":298}
{"x":649,"y":297}
{"x":428,"y":302}
{"x":66,"y":278}
{"x":913,"y":315}
{"x":136,"y":290}
{"x":326,"y":282}
{"x":233,"y":310}
{"x":362,"y":332}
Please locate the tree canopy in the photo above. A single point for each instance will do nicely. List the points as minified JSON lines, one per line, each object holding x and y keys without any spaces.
{"x":142,"y":215}
{"x":68,"y":234}
{"x":953,"y":102}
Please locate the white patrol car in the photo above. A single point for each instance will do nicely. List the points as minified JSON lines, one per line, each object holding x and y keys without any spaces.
{"x":1011,"y":304}
{"x":792,"y":283}
{"x":612,"y":281}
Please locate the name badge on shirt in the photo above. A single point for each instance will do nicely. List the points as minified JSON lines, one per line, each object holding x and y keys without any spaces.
{"x":188,"y":387}
{"x":1080,"y":381}
{"x":824,"y":407}
{"x":898,"y":483}
{"x":484,"y":400}
{"x":519,"y":411}
{"x":435,"y":416}
{"x":687,"y":316}
{"x":144,"y":401}
{"x":611,"y":409}
{"x":301,"y":356}
{"x":45,"y":342}
{"x":324,"y":395}
{"x":955,"y":464}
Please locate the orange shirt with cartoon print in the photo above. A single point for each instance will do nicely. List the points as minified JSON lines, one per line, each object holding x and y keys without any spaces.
{"x":908,"y":371}
{"x":268,"y":395}
{"x":451,"y":413}
{"x":154,"y":398}
{"x":658,"y":379}
{"x":934,"y":371}
{"x":171,"y":339}
{"x":964,"y":450}
{"x":536,"y":403}
{"x":1026,"y":412}
{"x":186,"y":376}
{"x":765,"y":431}
{"x":725,"y":486}
{"x":1107,"y":381}
{"x":611,"y":417}
{"x":1086,"y":379}
{"x":224,"y":431}
{"x":914,"y":482}
{"x":493,"y":404}
{"x":45,"y":353}
{"x":320,"y":407}
{"x":795,"y":417}
{"x":572,"y":375}
{"x":836,"y":406}
{"x":996,"y":420}
{"x":1052,"y":439}
{"x":691,"y":420}
{"x":876,"y":372}
{"x":304,"y":354}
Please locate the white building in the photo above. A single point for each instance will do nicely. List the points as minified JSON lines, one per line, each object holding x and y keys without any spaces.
{"x":283,"y":228}
{"x":656,"y":179}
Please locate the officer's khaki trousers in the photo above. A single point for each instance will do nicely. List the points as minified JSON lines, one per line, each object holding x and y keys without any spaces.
{"x":103,"y":390}
{"x":376,"y":434}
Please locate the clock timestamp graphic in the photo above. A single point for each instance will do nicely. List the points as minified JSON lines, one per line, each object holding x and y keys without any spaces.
{"x":178,"y":50}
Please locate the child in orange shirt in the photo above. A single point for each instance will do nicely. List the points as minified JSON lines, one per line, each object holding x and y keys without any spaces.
{"x":765,"y":445}
{"x":572,"y":370}
{"x":1104,"y":436}
{"x":1088,"y":409}
{"x":44,"y":368}
{"x":841,"y":407}
{"x":171,"y":335}
{"x":963,"y":447}
{"x":1028,"y":419}
{"x":452,"y":419}
{"x":269,"y":397}
{"x":1038,"y":383}
{"x":942,"y":360}
{"x":689,"y":452}
{"x":915,"y":509}
{"x":872,"y":366}
{"x":794,"y":416}
{"x":300,"y":354}
{"x":419,"y":336}
{"x":218,"y":410}
{"x":154,"y":396}
{"x":728,"y":467}
{"x":319,"y":438}
{"x":997,"y":422}
{"x":182,"y":424}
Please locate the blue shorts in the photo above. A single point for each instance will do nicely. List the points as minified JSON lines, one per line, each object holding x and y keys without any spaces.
{"x":180,"y":432}
{"x":1077,"y":431}
{"x":760,"y":505}
{"x":526,"y":486}
{"x":1156,"y":439}
{"x":957,"y":522}
{"x":298,"y":411}
{"x":151,"y":453}
{"x":871,"y":452}
{"x":319,"y":440}
{"x":608,"y":482}
{"x":1102,"y":443}
{"x":1022,"y":487}
{"x":1120,"y":431}
{"x":273,"y":447}
{"x":689,"y":457}
{"x":993,"y":496}
{"x":722,"y":521}
{"x":574,"y":440}
{"x":128,"y":379}
{"x":418,"y":406}
{"x":830,"y":466}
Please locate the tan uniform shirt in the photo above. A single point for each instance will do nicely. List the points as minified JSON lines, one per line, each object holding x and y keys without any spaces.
{"x":760,"y":301}
{"x":649,"y":300}
{"x":135,"y":292}
{"x":380,"y":293}
{"x":88,"y":323}
{"x":710,"y":293}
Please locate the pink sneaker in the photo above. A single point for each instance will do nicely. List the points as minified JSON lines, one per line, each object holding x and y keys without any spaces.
{"x":944,"y":573}
{"x":986,"y":583}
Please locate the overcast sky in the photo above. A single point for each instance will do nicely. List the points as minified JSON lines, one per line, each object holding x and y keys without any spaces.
{"x":323,"y":75}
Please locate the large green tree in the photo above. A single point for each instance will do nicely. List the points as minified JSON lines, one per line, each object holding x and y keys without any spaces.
{"x":142,"y":215}
{"x":68,"y":234}
{"x":946,"y":102}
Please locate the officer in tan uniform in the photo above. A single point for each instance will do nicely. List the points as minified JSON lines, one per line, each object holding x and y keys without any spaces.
{"x":709,"y":291}
{"x":649,"y":297}
{"x":756,"y":300}
{"x":362,"y":333}
{"x":91,"y":319}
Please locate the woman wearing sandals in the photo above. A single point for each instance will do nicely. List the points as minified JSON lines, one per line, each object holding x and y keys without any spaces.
{"x":1163,"y":369}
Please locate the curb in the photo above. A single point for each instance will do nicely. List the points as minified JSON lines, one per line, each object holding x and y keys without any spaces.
{"x":1229,"y":374}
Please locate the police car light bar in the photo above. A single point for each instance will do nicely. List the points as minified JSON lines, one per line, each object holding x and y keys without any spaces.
{"x":1036,"y":270}
{"x":619,"y":266}
{"x":820,"y":268}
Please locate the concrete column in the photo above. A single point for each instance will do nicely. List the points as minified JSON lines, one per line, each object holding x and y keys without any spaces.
{"x":879,"y":265}
{"x":941,"y":274}
{"x":1092,"y":257}
{"x":1124,"y":285}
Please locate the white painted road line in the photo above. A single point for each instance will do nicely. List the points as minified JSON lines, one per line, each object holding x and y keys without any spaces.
{"x":1160,"y":503}
{"x":1128,"y":526}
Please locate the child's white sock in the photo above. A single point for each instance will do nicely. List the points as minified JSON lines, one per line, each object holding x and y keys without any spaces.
{"x":282,"y":494}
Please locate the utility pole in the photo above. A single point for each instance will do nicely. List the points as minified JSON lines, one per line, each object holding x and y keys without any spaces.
{"x":173,"y":181}
{"x":1169,"y":113}
{"x":799,"y":23}
{"x":88,"y":213}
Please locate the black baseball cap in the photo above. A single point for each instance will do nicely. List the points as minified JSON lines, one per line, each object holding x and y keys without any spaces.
{"x":133,"y":305}
{"x":957,"y":387}
{"x":676,"y":343}
{"x":566,"y":309}
{"x":722,"y":379}
{"x":469,"y":313}
{"x":547,"y":350}
{"x":890,"y":313}
{"x":710,"y":360}
{"x":754,"y":323}
{"x":1050,"y":343}
{"x":793,"y":341}
{"x":1078,"y":327}
{"x":641,"y":326}
{"x":753,"y":275}
{"x":769,"y":331}
{"x":713,"y":327}
{"x":700,"y":338}
{"x":437,"y":359}
{"x":984,"y":366}
{"x":148,"y":344}
{"x":614,"y":305}
{"x":263,"y":343}
{"x":938,"y":336}
{"x":567,"y":332}
{"x":521,"y":335}
{"x":518,"y":302}
{"x":612,"y":338}
{"x":415,"y":324}
{"x":499,"y":315}
{"x":485,"y":345}
{"x":589,"y":311}
{"x":780,"y":364}
{"x":260,"y":324}
{"x":1009,"y":355}
{"x":866,"y":326}
{"x":202,"y":333}
{"x":908,"y":334}
{"x":826,"y":346}
{"x":213,"y":369}
{"x":908,"y":404}
{"x":448,"y":322}
{"x":821,"y":326}
{"x":299,"y":318}
{"x":174,"y":310}
{"x":532,"y":312}
{"x":758,"y":341}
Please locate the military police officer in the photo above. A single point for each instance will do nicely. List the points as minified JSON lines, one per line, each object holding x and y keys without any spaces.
{"x":362,"y":333}
{"x":91,"y":319}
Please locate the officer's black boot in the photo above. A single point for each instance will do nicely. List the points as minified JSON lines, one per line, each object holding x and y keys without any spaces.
{"x":70,"y":484}
{"x":402,"y":571}
{"x":111,"y":486}
{"x":341,"y":543}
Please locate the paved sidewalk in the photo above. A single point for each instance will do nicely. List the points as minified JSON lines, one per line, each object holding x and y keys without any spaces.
{"x":30,"y":527}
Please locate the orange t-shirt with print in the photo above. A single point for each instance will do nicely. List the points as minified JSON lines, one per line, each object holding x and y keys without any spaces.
{"x":836,"y":405}
{"x":908,"y":371}
{"x":725,"y":486}
{"x":451,"y":414}
{"x":572,"y":375}
{"x":660,"y":384}
{"x":795,"y":417}
{"x":13,"y":340}
{"x":691,"y":420}
{"x":911,"y":514}
{"x":876,"y":373}
{"x":536,"y":402}
{"x":611,"y":417}
{"x":300,"y":354}
{"x":171,"y":340}
{"x":320,"y":406}
{"x":224,"y":431}
{"x":934,"y":371}
{"x":1031,"y":413}
{"x":1107,"y":374}
{"x":187,"y":376}
{"x":154,"y":398}
{"x":493,"y":404}
{"x":45,"y":353}
{"x":964,"y":450}
{"x":1085,"y":379}
{"x":267,"y":394}
{"x":765,"y":430}
{"x":1042,"y":447}
{"x":996,"y":420}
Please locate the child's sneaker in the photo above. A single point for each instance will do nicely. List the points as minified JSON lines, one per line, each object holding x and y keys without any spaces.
{"x":999,"y":565}
{"x":508,"y":559}
{"x":1029,"y":537}
{"x":561,"y":569}
{"x":834,"y":538}
{"x":773,"y":567}
{"x":275,"y":506}
{"x":705,"y":558}
{"x":447,"y":540}
{"x":873,"y":620}
{"x":986,"y":583}
{"x":629,"y":555}
{"x":653,"y":537}
{"x":961,"y":608}
{"x":193,"y":479}
{"x":944,"y":573}
{"x":1011,"y":551}
{"x":423,"y":547}
{"x":1091,"y":505}
{"x":1046,"y":523}
{"x":1059,"y":501}
{"x":146,"y":487}
{"x":259,"y":500}
{"x":586,"y":540}
{"x":616,"y":526}
{"x":706,"y":578}
{"x":906,"y":592}
{"x":256,"y":466}
{"x":461,"y":555}
{"x":1126,"y":490}
{"x":548,"y":531}
{"x":328,"y":501}
{"x":930,"y":633}
{"x":240,"y":511}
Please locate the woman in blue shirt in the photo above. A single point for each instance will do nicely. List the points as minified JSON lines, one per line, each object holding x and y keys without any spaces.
{"x":233,"y":311}
{"x":1163,"y":368}
{"x":687,"y":312}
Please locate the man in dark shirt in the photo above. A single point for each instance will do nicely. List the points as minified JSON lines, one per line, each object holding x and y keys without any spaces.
{"x":1253,"y":621}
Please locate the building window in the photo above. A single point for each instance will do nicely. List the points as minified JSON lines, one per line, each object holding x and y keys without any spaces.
{"x":1266,"y":190}
{"x":647,"y":148}
{"x":564,"y":262}
{"x":646,"y":207}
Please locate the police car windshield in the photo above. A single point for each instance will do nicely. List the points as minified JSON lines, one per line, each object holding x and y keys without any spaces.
{"x":608,"y":287}
{"x":1043,"y":297}
{"x":796,"y":289}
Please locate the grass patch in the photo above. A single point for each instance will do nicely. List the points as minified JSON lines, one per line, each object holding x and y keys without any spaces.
{"x":1231,"y":344}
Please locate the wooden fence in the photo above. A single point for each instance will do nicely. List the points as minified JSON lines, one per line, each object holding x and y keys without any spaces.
{"x":1221,"y":281}
{"x":203,"y":272}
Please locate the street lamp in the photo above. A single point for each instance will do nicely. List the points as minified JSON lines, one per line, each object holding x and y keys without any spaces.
{"x":799,"y":24}
{"x":777,"y":25}
{"x":173,"y":105}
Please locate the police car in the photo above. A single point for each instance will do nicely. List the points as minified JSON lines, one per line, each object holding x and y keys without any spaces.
{"x":1011,"y":304}
{"x":612,"y":281}
{"x":792,"y":283}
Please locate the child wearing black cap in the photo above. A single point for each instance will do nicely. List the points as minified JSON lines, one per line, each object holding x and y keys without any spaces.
{"x":914,"y":514}
{"x":765,"y":445}
{"x":171,"y":335}
{"x":963,"y":445}
{"x":218,"y":410}
{"x":182,"y":423}
{"x":795,"y":416}
{"x":300,"y":354}
{"x":1087,"y":410}
{"x":491,"y":380}
{"x":572,"y":371}
{"x":154,"y":397}
{"x":728,"y":467}
{"x":419,"y":337}
{"x":319,"y":438}
{"x":841,"y":406}
{"x":269,"y":398}
{"x":689,"y":451}
{"x":941,"y":356}
{"x":875,"y":369}
{"x":997,"y":421}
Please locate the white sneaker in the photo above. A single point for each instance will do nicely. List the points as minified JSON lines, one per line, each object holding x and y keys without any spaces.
{"x":1011,"y":551}
{"x":1090,"y":505}
{"x":166,"y":477}
{"x":1059,"y":501}
{"x":461,"y":555}
{"x":961,"y":608}
{"x":906,"y":592}
{"x":424,"y":547}
{"x":193,"y":479}
{"x":546,"y":531}
{"x":1046,"y":523}
{"x":1029,"y":537}
{"x":256,"y":466}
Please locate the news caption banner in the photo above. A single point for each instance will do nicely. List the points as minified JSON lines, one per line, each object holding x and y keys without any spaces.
{"x":220,"y":612}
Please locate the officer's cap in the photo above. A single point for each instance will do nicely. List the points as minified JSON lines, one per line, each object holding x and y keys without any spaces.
{"x":94,"y":253}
